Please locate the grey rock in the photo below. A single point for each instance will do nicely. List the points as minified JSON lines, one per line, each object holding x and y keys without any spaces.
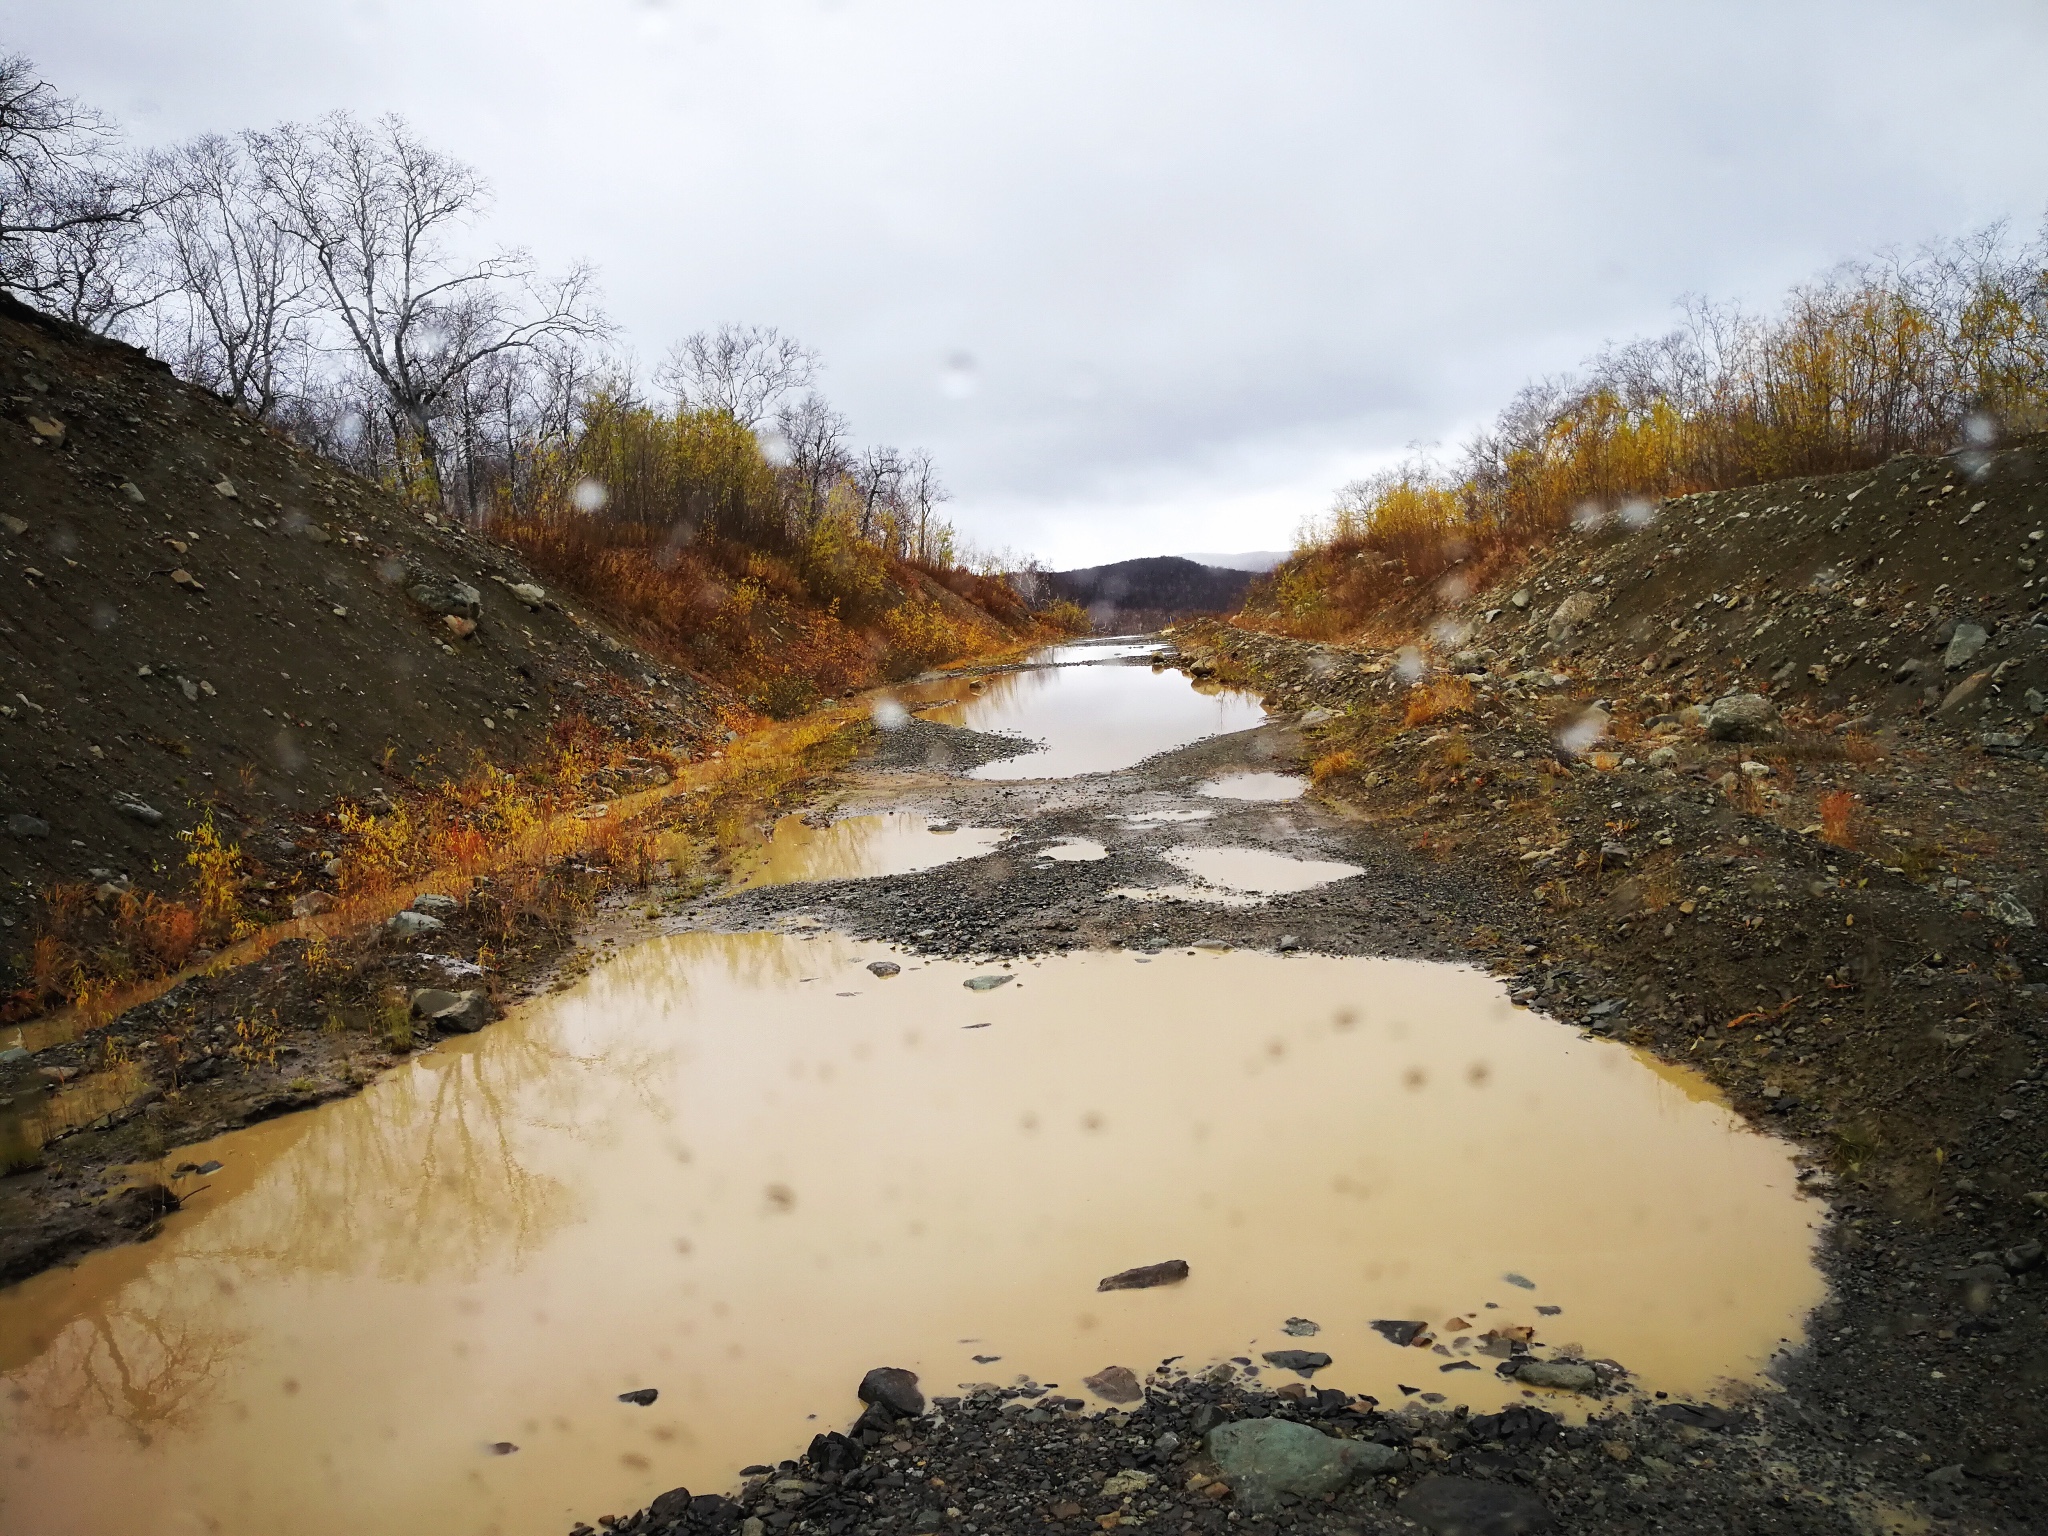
{"x":1303,"y":1362}
{"x":27,"y":828}
{"x":436,"y":906}
{"x":1742,"y":717}
{"x":445,"y":594}
{"x":2037,"y":702}
{"x":1263,"y":1459}
{"x":470,"y":1012}
{"x":409,"y":925}
{"x":894,"y":1389}
{"x":1465,"y":1506}
{"x":1521,"y":598}
{"x":986,"y":983}
{"x":427,"y":1001}
{"x":1662,"y":757}
{"x":529,"y":594}
{"x":1398,"y":1331}
{"x":1571,"y":613}
{"x":884,"y":968}
{"x":1963,"y":646}
{"x":643,"y":1397}
{"x":2009,"y":909}
{"x":12,"y":1054}
{"x":1969,"y":690}
{"x":1559,"y":1375}
{"x":1300,"y":1328}
{"x":136,"y":809}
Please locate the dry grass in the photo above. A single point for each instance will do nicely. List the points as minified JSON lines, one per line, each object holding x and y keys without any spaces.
{"x":1437,"y":700}
{"x":1837,"y":818}
{"x":1333,"y":765}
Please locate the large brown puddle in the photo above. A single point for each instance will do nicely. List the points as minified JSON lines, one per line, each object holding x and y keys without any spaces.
{"x":742,"y":1170}
{"x":1091,"y":717}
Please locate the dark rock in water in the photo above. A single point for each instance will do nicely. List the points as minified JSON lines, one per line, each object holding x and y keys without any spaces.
{"x":1145,"y":1275}
{"x":895,"y":1389}
{"x":1696,"y":1415}
{"x":673,"y":1505}
{"x":470,"y":1012}
{"x":1265,"y":1460}
{"x":1397,"y":1332}
{"x":1464,"y":1506}
{"x":1543,"y":1311}
{"x":833,"y":1452}
{"x":1115,"y":1383}
{"x":758,"y":1469}
{"x":1300,"y":1328}
{"x":1459,"y":1365}
{"x":986,"y":983}
{"x":209,"y":1166}
{"x":642,"y":1398}
{"x":501,"y":1448}
{"x":714,"y":1511}
{"x":428,"y":1001}
{"x":1521,"y":1281}
{"x":884,"y":968}
{"x":1305,"y":1362}
{"x":986,"y":1359}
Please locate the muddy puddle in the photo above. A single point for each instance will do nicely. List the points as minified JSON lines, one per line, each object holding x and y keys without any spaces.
{"x":1255,"y":786}
{"x":741,"y":1169}
{"x":1093,"y":713}
{"x":859,"y":848}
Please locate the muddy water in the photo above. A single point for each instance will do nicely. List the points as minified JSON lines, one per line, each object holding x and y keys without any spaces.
{"x":1255,"y":786}
{"x":1094,"y":718}
{"x":858,"y":847}
{"x":1259,"y":871}
{"x":741,"y":1170}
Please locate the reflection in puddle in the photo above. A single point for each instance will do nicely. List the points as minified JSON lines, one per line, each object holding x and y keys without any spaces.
{"x":860,"y":847}
{"x":1142,"y":818}
{"x":1258,"y":870}
{"x":1075,"y":850}
{"x":1093,"y":719}
{"x":741,"y":1170}
{"x":35,"y":1118}
{"x":1255,"y":786}
{"x":1109,"y":648}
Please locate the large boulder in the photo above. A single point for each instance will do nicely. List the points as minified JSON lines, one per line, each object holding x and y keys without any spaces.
{"x":1742,"y":717}
{"x":1264,"y":1459}
{"x":1571,"y":613}
{"x":445,"y":594}
{"x":894,"y":1389}
{"x":1963,"y":646}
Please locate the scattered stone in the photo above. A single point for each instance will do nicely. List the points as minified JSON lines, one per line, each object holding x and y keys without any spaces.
{"x":1520,"y":599}
{"x":884,"y":968}
{"x":501,"y":1448}
{"x":1399,"y":1332}
{"x":1520,"y":1282}
{"x":644,"y":1397}
{"x":436,"y":905}
{"x":225,"y":489}
{"x":445,"y":595}
{"x":986,"y":983}
{"x":1571,"y":613}
{"x":1695,"y":1415}
{"x":410,"y":925}
{"x":312,"y":904}
{"x":1968,"y":691}
{"x":1144,"y":1276}
{"x":1122,"y":1484}
{"x":534,"y":597}
{"x":1300,"y":1328}
{"x":1264,"y":1459}
{"x":2009,"y":909}
{"x":1318,"y":716}
{"x":1465,"y":1506}
{"x":894,"y":1389}
{"x":27,"y":828}
{"x":1662,"y":757}
{"x":1742,"y":717}
{"x":1303,"y":1362}
{"x":1115,"y":1383}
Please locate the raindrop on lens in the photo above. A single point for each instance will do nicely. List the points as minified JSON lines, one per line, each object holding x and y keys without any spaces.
{"x":1408,"y":664}
{"x":589,"y":496}
{"x":957,"y":378}
{"x":1637,"y":513}
{"x":1589,"y":517}
{"x":889,"y":715}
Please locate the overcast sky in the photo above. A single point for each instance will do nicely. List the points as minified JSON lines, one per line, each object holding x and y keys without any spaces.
{"x":1147,"y":277}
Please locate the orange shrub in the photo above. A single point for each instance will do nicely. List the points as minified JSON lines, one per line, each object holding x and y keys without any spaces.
{"x":1837,"y":815}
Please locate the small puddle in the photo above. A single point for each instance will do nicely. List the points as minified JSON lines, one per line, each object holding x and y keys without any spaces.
{"x":1148,"y":818}
{"x":741,"y":1169}
{"x":1075,"y":850}
{"x":861,"y":847}
{"x":1092,"y":718}
{"x":1258,"y":871}
{"x":1255,"y":786}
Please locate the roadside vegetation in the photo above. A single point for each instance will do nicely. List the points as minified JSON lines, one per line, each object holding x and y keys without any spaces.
{"x":1946,"y":348}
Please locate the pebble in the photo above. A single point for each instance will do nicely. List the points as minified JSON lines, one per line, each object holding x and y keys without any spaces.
{"x":884,"y":968}
{"x":1145,"y":1276}
{"x":1265,"y":1459}
{"x":986,"y":983}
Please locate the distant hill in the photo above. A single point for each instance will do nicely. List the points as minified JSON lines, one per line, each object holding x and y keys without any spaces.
{"x":1138,"y":594}
{"x":1257,"y":561}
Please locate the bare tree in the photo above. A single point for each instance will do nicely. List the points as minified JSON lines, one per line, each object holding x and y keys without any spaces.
{"x":921,"y":493}
{"x":71,"y":204}
{"x":878,"y":476}
{"x":816,"y":435}
{"x":743,"y":370}
{"x":245,"y":284}
{"x":375,"y":208}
